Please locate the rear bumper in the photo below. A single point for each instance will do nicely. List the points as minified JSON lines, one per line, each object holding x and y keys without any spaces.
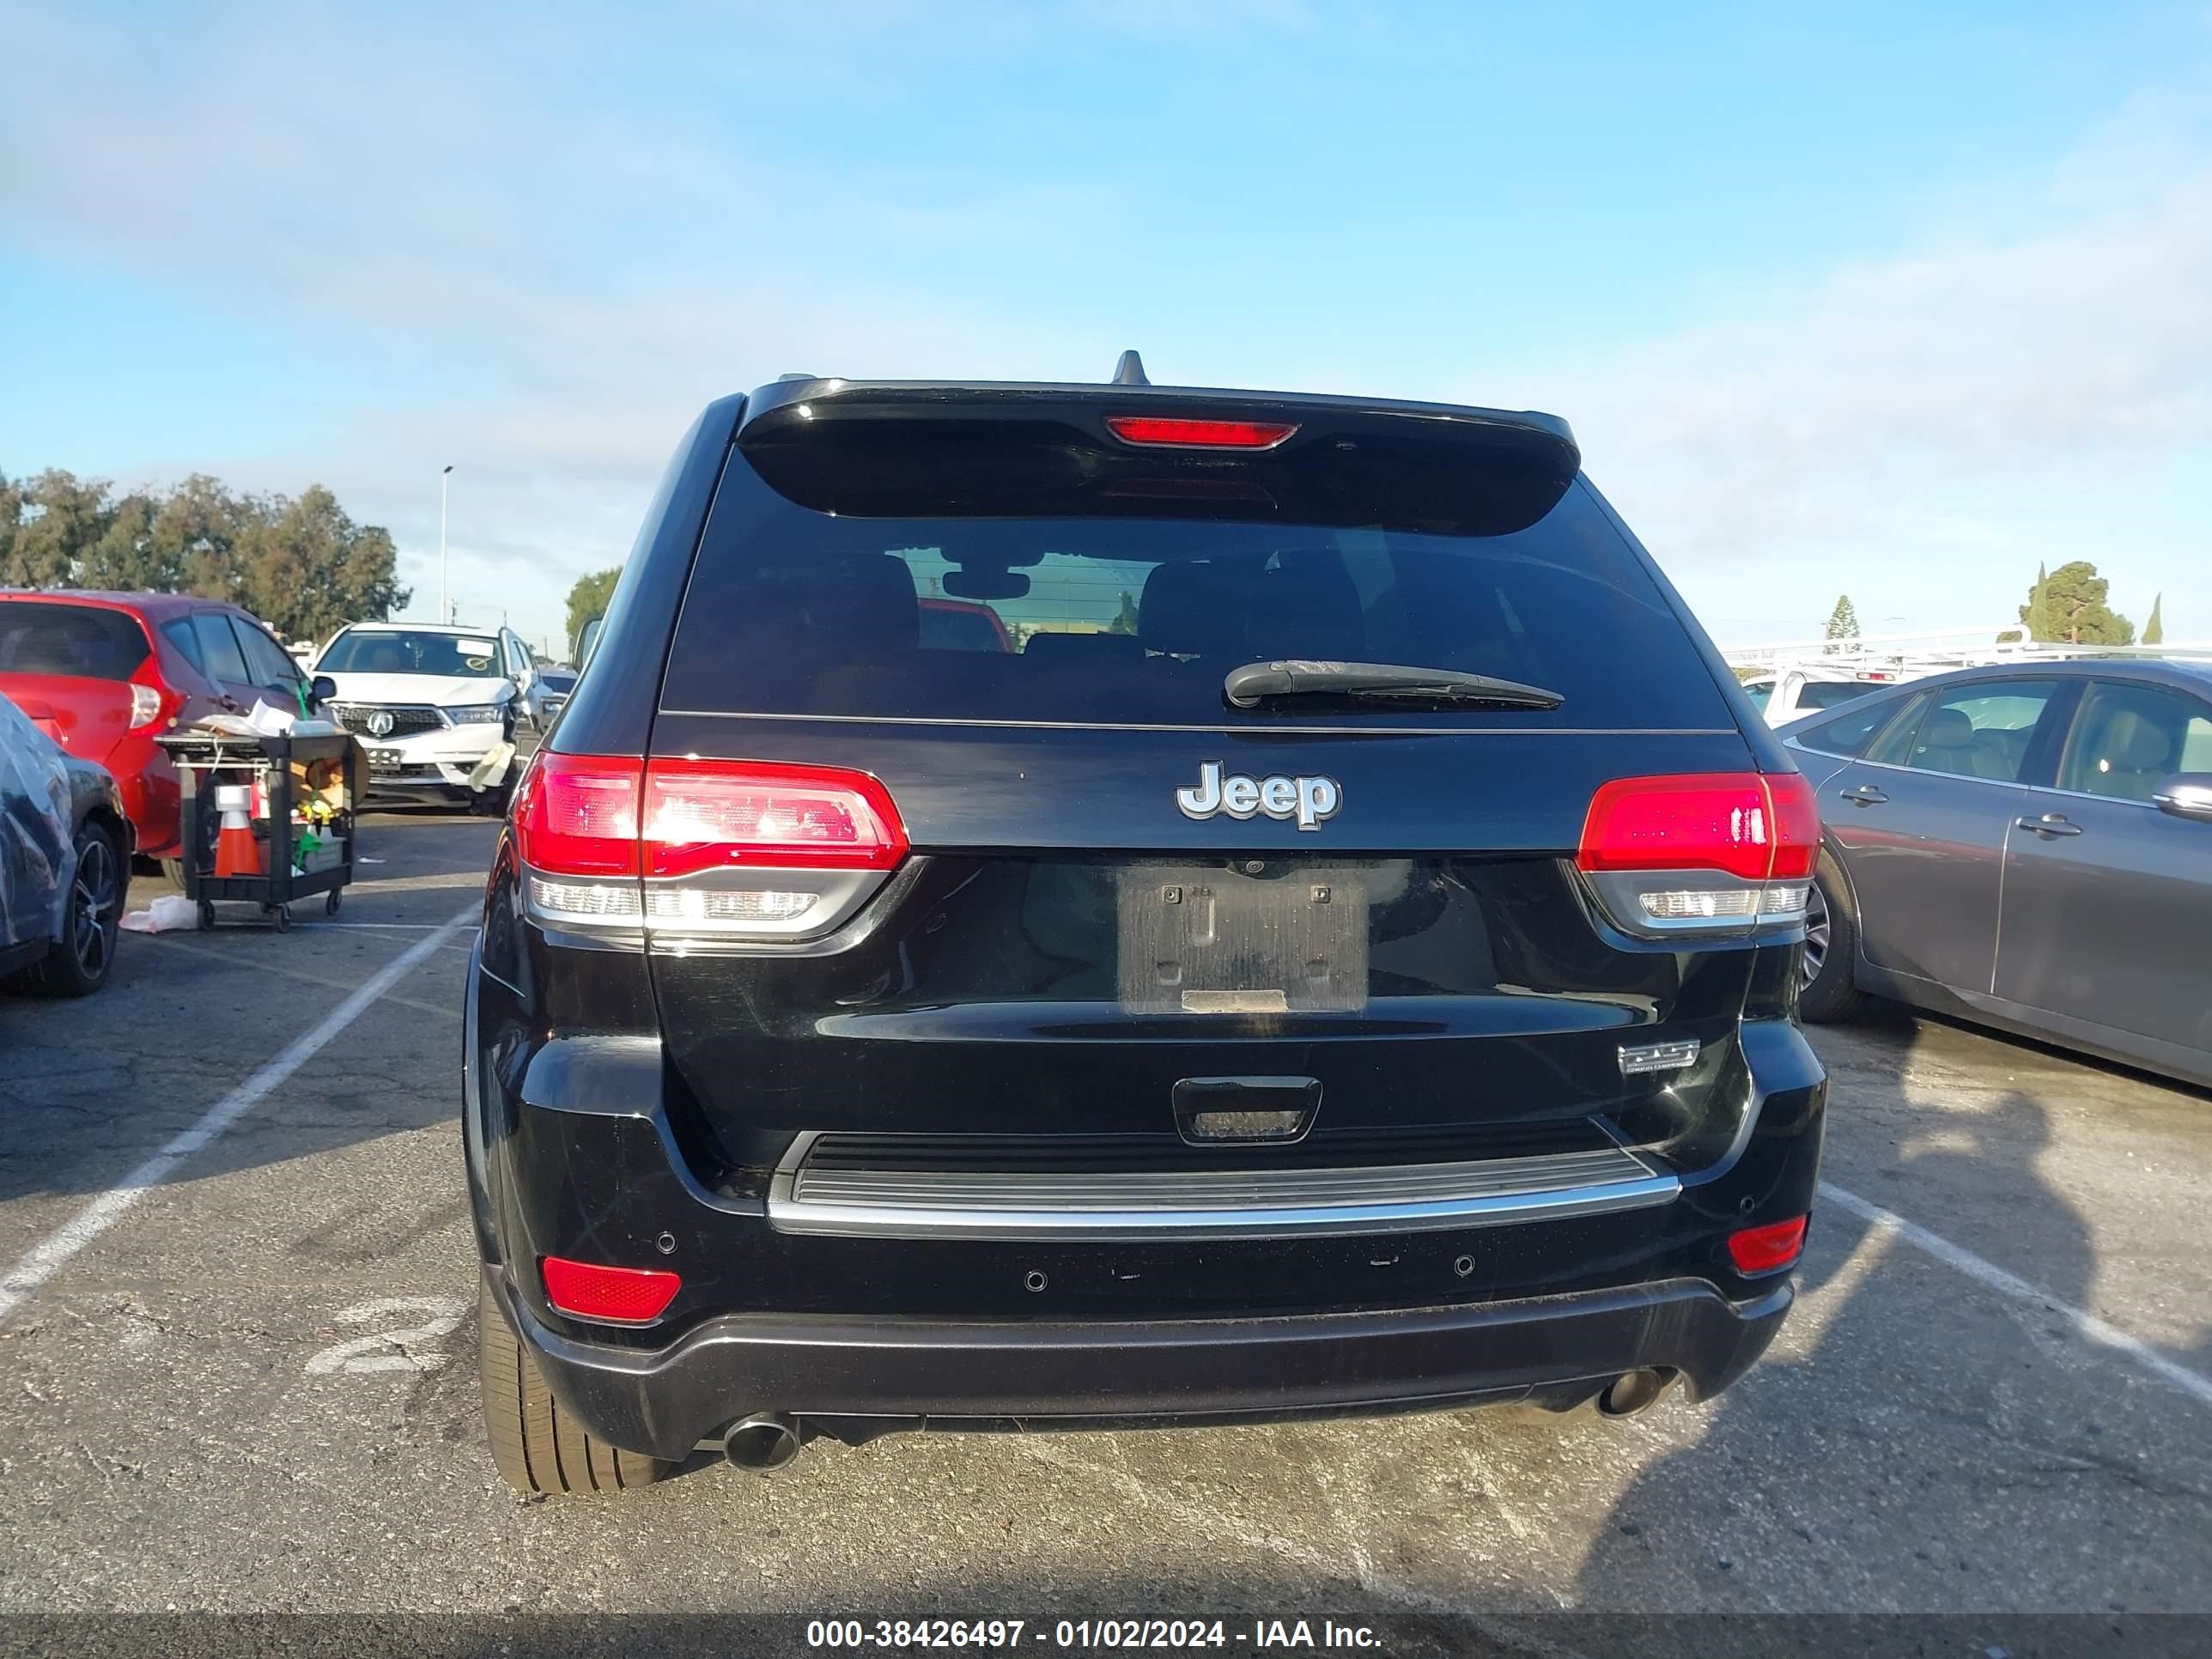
{"x":917,"y":1374}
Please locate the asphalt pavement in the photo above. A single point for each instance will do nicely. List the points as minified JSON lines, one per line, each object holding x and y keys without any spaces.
{"x":237,"y":1372}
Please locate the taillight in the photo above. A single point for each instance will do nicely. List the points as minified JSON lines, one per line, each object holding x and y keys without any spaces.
{"x":740,"y":849}
{"x":1797,"y":822}
{"x":576,"y":815}
{"x":708,"y":815}
{"x":1169,"y":432}
{"x":623,"y":1295}
{"x":1701,"y":851}
{"x":1763,"y":1249}
{"x":152,"y":703}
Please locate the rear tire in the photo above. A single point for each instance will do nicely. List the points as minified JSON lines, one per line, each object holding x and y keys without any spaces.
{"x":1824,"y":992}
{"x":537,"y":1447}
{"x":79,"y":963}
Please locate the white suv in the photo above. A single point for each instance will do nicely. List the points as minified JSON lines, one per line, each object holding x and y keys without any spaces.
{"x":435,"y":708}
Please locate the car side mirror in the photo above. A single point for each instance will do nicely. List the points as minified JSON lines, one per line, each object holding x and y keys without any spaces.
{"x":2185,"y":795}
{"x":323,"y":688}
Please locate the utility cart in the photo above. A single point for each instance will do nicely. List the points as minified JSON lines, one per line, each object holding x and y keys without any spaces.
{"x":297,"y":803}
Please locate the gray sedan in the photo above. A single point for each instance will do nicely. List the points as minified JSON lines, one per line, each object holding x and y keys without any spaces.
{"x":2028,"y":845}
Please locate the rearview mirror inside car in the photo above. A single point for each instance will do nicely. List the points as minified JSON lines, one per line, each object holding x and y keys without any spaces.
{"x":989,"y":582}
{"x":2185,"y":795}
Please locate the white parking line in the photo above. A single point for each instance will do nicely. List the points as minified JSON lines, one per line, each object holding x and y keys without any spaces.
{"x":2085,"y":1325}
{"x":45,"y":1258}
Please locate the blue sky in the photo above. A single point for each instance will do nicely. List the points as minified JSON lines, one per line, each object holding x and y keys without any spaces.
{"x":1896,"y":300}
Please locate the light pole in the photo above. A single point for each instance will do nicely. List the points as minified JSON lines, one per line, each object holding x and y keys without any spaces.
{"x":445,"y":610}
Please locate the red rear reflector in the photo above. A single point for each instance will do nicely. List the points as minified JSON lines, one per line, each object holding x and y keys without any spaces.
{"x":1739,"y":823}
{"x":1762,"y":1250}
{"x":706,"y":814}
{"x":576,"y":815}
{"x":632,"y":1295}
{"x":1164,"y":431}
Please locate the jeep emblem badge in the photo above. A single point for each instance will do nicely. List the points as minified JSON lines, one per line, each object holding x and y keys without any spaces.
{"x":1310,"y":801}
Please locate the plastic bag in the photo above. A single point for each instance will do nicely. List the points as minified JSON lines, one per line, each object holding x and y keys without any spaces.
{"x":268,"y":720}
{"x":171,"y":913}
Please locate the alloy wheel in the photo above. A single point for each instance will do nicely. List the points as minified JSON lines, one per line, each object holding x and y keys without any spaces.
{"x":1817,"y":934}
{"x":93,"y":903}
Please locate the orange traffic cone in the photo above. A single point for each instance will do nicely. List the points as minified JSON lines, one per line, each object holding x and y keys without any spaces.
{"x":236,"y":852}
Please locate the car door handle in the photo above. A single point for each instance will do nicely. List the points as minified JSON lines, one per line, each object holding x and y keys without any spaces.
{"x":1865,"y":795}
{"x":2051,"y":824}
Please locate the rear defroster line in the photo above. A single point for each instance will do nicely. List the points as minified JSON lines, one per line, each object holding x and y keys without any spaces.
{"x":50,"y":1253}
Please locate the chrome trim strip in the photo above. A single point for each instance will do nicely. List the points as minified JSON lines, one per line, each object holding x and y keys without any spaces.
{"x":1247,"y":1203}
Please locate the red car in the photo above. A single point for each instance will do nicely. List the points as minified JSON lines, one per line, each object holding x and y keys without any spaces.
{"x":103,"y":674}
{"x":962,"y":625}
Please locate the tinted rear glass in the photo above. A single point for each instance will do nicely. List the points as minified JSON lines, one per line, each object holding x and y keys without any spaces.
{"x":82,"y":642}
{"x":1111,"y":620}
{"x":179,"y":634}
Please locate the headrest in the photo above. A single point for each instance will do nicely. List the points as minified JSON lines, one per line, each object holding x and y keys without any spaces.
{"x":1950,"y":729}
{"x":1193,"y":609}
{"x":1308,"y":606}
{"x":387,"y":659}
{"x":2134,"y":744}
{"x":849,"y":609}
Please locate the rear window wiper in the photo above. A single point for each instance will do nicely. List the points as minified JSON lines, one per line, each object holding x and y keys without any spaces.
{"x":1256,"y":683}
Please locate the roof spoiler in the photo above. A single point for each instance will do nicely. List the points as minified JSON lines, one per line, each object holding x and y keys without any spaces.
{"x":919,"y":449}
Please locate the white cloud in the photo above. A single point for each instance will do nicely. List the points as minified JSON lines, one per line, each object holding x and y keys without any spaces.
{"x":2048,"y":343}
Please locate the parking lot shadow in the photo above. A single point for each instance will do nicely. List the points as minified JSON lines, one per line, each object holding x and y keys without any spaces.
{"x":91,"y":1087}
{"x":1916,"y":1441}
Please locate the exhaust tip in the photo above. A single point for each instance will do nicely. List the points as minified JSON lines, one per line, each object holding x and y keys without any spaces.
{"x":764,"y":1442}
{"x":1631,"y":1393}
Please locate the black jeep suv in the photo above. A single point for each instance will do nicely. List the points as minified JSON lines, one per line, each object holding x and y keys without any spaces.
{"x":1079,"y":905}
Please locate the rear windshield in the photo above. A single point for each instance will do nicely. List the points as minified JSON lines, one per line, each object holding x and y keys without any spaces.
{"x":1113,"y":620}
{"x":83,"y":641}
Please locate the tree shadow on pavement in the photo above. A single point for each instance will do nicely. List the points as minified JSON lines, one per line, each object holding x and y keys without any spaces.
{"x":1918,"y":1440}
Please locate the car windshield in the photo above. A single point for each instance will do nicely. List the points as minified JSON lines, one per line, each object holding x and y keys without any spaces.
{"x":555,"y":679}
{"x":399,"y":650}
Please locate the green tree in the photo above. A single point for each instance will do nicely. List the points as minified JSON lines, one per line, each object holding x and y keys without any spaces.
{"x":123,"y":556}
{"x":2154,"y":630}
{"x":306,"y":568}
{"x":11,"y":509}
{"x":57,"y":520}
{"x":1125,"y":619}
{"x":2036,"y":613}
{"x":1843,"y":622}
{"x":193,"y":545}
{"x":588,"y":598}
{"x":2068,"y":607}
{"x":303,"y":566}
